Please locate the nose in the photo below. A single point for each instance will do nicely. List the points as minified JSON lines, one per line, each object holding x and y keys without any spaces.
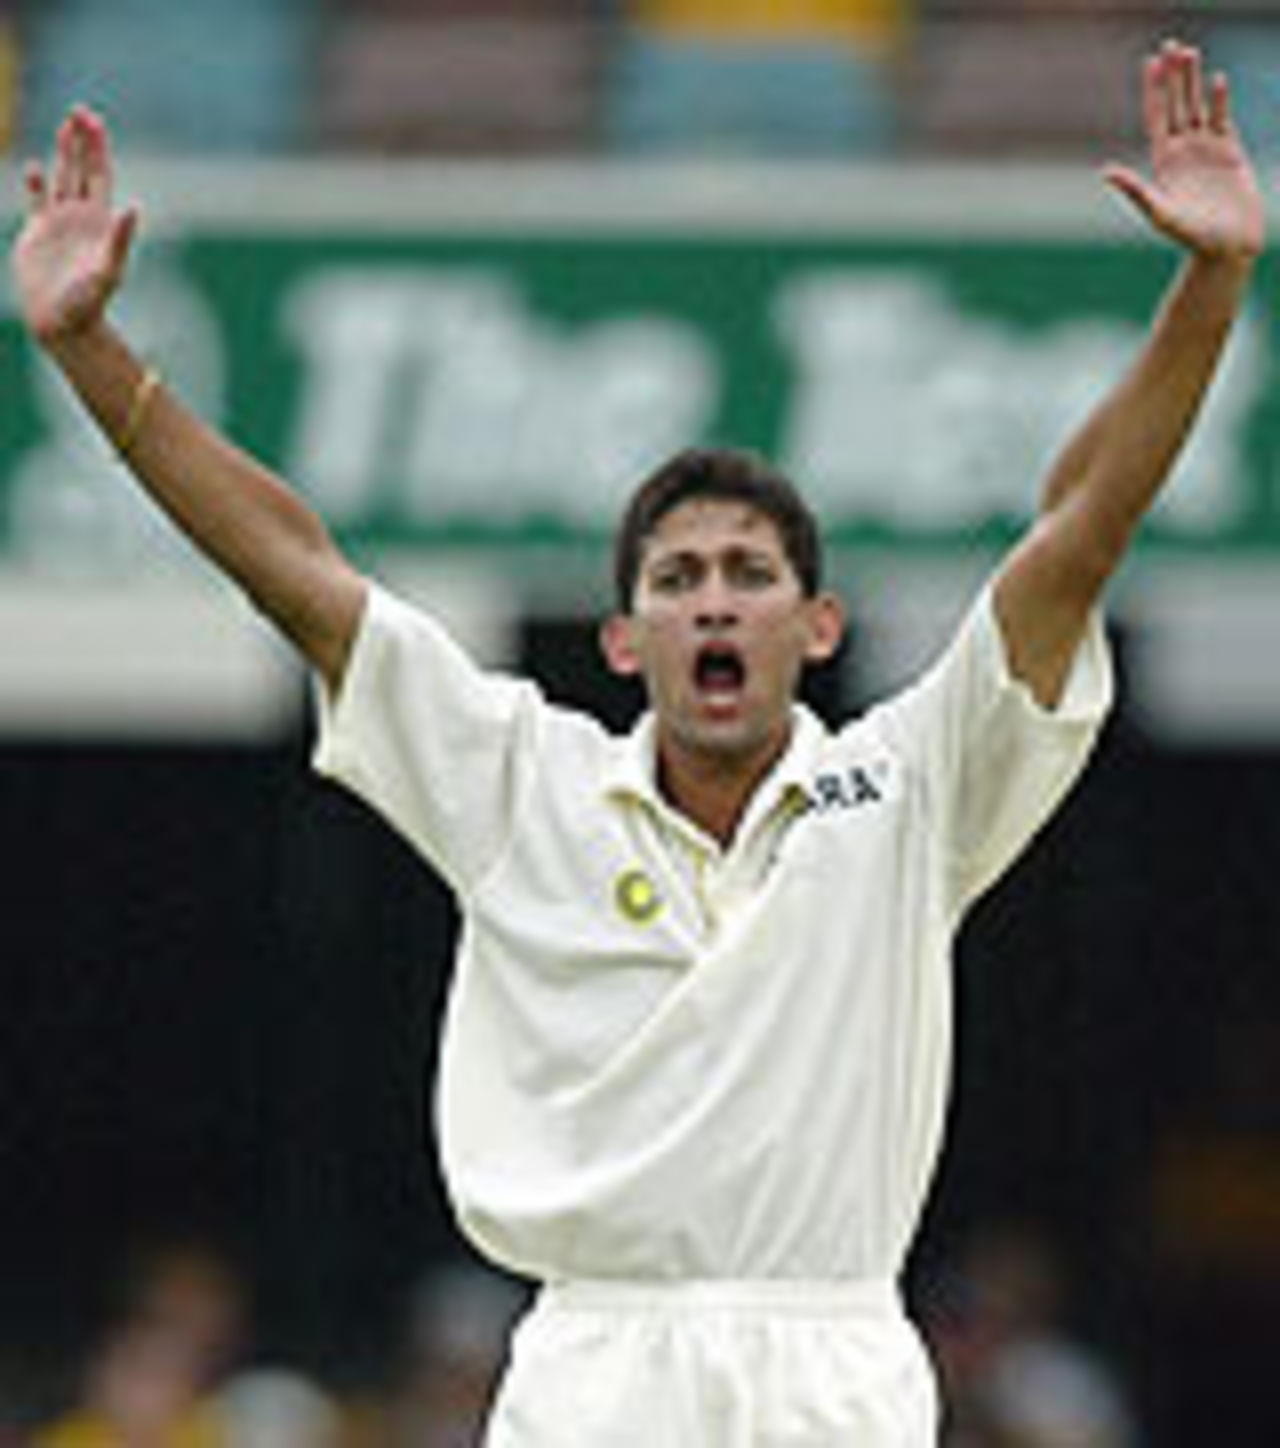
{"x":716,"y":602}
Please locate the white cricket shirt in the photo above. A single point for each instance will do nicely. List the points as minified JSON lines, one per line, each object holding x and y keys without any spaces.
{"x":663,"y":1059}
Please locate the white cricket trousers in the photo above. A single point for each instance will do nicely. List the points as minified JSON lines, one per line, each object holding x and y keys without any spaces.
{"x":716,"y":1365}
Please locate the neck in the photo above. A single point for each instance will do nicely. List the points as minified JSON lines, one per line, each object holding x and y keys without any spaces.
{"x":713,"y":790}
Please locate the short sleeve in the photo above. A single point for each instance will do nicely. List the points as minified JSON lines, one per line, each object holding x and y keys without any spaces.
{"x":436,"y":745}
{"x":996,"y":762}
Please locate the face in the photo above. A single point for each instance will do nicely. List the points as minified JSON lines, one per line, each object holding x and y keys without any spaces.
{"x":719,"y":630}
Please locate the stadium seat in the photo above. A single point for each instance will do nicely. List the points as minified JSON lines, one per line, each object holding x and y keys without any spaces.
{"x":1249,"y":53}
{"x":870,"y":24}
{"x":223,"y":76}
{"x":476,"y":82}
{"x":1039,"y":84}
{"x":781,"y":77}
{"x":780,"y":97}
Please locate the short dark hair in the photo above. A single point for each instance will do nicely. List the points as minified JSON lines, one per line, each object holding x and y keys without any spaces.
{"x":721,"y":473}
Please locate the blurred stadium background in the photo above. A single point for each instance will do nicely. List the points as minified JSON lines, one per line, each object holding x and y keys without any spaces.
{"x":462,"y":268}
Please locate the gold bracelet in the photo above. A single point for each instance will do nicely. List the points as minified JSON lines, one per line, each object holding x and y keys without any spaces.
{"x":138,"y":406}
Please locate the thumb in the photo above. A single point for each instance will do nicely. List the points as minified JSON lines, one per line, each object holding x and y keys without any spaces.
{"x":120,"y":241}
{"x":1137,"y":190}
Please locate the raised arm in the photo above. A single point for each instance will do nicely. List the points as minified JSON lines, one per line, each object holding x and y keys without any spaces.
{"x":68,"y":261}
{"x":1202,"y":194}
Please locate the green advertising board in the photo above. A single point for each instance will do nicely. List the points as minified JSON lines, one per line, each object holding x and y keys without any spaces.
{"x":480,"y":385}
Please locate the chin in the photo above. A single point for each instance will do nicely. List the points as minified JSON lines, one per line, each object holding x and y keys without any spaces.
{"x":732,"y":741}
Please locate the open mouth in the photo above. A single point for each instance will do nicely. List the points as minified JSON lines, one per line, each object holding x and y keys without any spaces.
{"x":719,"y":669}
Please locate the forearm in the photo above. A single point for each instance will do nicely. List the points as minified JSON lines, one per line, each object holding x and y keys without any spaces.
{"x":1202,"y":193}
{"x":1109,"y":474}
{"x":236,"y":512}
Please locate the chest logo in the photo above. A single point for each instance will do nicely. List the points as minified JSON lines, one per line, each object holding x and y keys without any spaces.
{"x":637,"y":897}
{"x":848,"y":788}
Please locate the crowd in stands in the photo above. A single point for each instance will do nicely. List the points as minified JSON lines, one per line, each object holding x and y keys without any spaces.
{"x":785,"y":78}
{"x":174,"y":1359}
{"x":173,"y":1362}
{"x":1001,"y":1319}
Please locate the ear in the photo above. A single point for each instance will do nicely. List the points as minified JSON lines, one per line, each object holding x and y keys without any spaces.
{"x":618,"y":644}
{"x":826,"y":627}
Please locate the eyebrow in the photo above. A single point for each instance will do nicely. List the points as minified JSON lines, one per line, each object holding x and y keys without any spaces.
{"x":734,"y":552}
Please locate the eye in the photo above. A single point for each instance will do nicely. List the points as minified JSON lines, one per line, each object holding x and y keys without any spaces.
{"x":755,"y":572}
{"x":671,"y":577}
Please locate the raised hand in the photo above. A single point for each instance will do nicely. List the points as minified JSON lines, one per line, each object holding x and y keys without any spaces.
{"x":1201,"y":191}
{"x":70,"y":255}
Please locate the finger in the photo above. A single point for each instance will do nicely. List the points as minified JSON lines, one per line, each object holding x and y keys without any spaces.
{"x":121,"y":240}
{"x":80,"y":147}
{"x":99,"y":181}
{"x":1220,"y":105}
{"x":1190,"y":74}
{"x":64,"y":145}
{"x":33,"y":183}
{"x":1135,"y":189}
{"x":1154,"y":115}
{"x":1172,"y":88}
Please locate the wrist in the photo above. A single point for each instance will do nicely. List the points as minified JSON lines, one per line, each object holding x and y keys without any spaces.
{"x":70,"y":347}
{"x":1227,"y":273}
{"x":1237,"y":253}
{"x":1240,"y":258}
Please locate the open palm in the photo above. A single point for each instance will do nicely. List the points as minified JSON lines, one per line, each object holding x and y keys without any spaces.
{"x":70,"y":255}
{"x":1202,"y":191}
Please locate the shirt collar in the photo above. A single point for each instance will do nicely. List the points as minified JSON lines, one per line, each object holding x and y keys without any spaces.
{"x":632,"y":773}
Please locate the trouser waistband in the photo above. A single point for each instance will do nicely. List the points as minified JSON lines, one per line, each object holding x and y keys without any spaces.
{"x":770,"y":1296}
